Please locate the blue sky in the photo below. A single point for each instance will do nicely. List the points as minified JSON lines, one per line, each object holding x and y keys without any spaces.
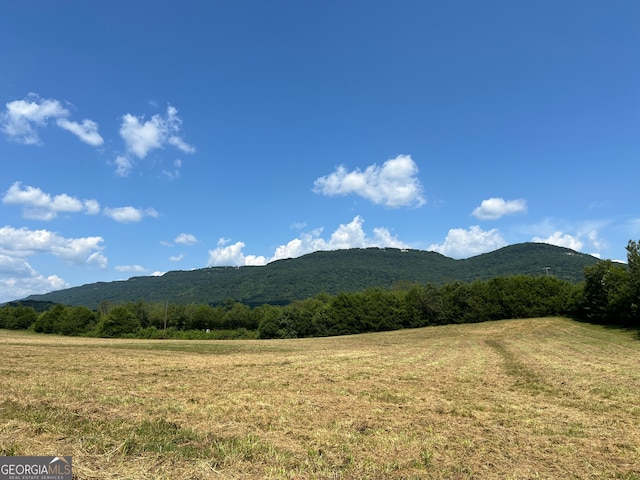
{"x":142,"y":137}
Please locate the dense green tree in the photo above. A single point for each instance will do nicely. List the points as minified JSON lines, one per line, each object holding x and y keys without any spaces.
{"x":605,"y":292}
{"x":17,"y":317}
{"x":383,"y":309}
{"x":458,"y":303}
{"x":269,"y":321}
{"x":50,"y":321}
{"x":118,"y":322}
{"x":218,"y":314}
{"x":305,"y":317}
{"x":158,"y":314}
{"x":77,"y":320}
{"x":553,"y":296}
{"x":345,"y":312}
{"x":290,"y":323}
{"x":141,"y":310}
{"x":239,"y":316}
{"x":633,"y":295}
{"x":517,"y":297}
{"x":484,"y":301}
{"x":319,"y":319}
{"x":200,"y":317}
{"x":5,"y":313}
{"x":424,"y":306}
{"x":176,"y":315}
{"x":105,"y":307}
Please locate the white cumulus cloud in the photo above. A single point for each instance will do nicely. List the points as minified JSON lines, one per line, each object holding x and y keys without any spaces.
{"x":92,"y":207}
{"x":494,"y":208}
{"x":350,"y":235}
{"x":97,"y":259}
{"x":16,"y":287}
{"x":231,"y":255}
{"x":561,"y":240}
{"x":129,"y":214}
{"x":15,"y":266}
{"x":461,"y":243}
{"x":394,"y":184}
{"x":19,"y":279}
{"x":22,"y":242}
{"x":584,"y":235}
{"x":142,"y":136}
{"x":38,"y":205}
{"x":22,"y":118}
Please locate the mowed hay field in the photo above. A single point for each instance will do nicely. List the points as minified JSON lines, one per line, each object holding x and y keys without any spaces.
{"x":520,"y":399}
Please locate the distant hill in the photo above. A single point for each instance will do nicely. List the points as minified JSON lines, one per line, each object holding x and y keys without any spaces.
{"x":283,"y":281}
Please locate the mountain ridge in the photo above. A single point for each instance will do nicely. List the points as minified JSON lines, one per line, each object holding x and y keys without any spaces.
{"x":286,"y":280}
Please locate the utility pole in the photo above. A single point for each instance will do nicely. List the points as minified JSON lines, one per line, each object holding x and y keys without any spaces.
{"x":546,"y":269}
{"x":166,"y":309}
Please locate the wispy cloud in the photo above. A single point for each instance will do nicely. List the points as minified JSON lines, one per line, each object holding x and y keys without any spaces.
{"x":129,"y":214}
{"x":175,"y":173}
{"x":87,"y":131}
{"x":186,"y":239}
{"x":495,"y":208}
{"x":131,"y":268}
{"x":181,"y":239}
{"x":394,"y":184}
{"x":124,"y":165}
{"x":38,"y":205}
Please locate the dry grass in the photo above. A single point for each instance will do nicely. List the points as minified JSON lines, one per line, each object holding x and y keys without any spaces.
{"x":541,"y":398}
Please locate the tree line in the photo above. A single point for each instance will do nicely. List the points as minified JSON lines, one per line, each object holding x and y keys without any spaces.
{"x":611,"y":290}
{"x":610,"y":293}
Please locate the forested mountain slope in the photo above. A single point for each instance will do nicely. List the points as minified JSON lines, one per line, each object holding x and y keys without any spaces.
{"x":283,"y":281}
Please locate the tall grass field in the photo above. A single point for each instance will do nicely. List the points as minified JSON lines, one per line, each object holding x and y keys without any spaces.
{"x":544,"y":398}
